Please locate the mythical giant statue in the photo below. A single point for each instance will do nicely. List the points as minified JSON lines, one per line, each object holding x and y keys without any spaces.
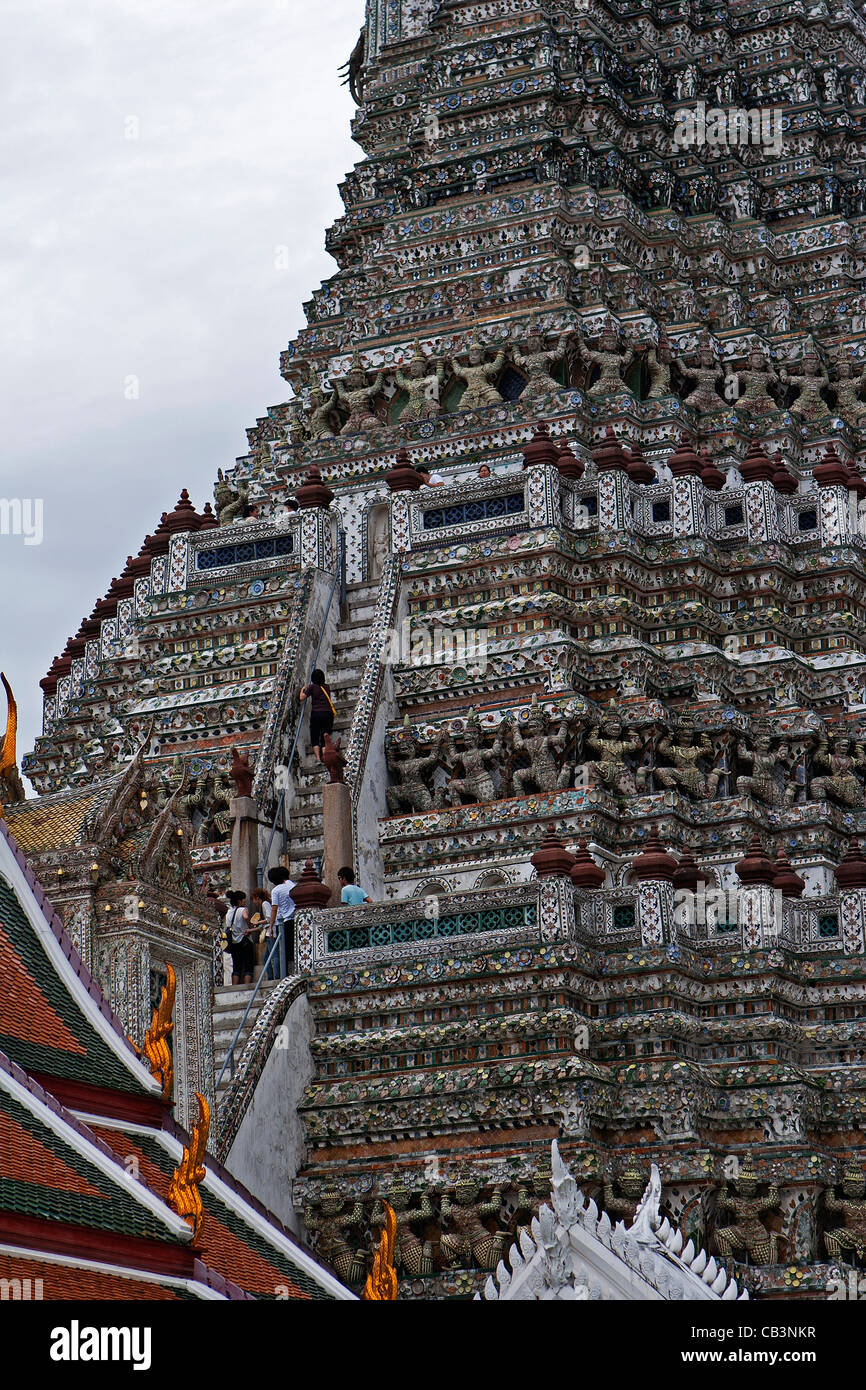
{"x":320,"y":419}
{"x":470,"y":1242}
{"x":231,"y":502}
{"x":410,"y":1253}
{"x":685,"y":774}
{"x":811,"y":379}
{"x":612,"y":360}
{"x":538,"y":364}
{"x":479,"y":376}
{"x":758,"y":376}
{"x":611,"y":746}
{"x":632,"y":1184}
{"x":841,"y":782}
{"x":850,"y":382}
{"x":329,"y":1219}
{"x":765,"y":782}
{"x":546,"y":772}
{"x":850,"y":1236}
{"x":357,"y":396}
{"x":422,"y":384}
{"x":703,"y":366}
{"x":408,"y":768}
{"x":748,"y":1233}
{"x":477,"y":781}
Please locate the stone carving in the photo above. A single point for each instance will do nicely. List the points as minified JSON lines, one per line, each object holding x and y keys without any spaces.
{"x":849,"y":383}
{"x":703,"y":366}
{"x":611,"y":745}
{"x":470,"y":1242}
{"x":231,"y":502}
{"x":546,"y":772}
{"x":685,"y":774}
{"x":748,"y":1232}
{"x":320,"y":419}
{"x":766,"y":782}
{"x":850,"y":1236}
{"x":411,"y":1254}
{"x":477,"y":781}
{"x":538,"y":364}
{"x":408,"y":768}
{"x":840,"y":783}
{"x":758,"y":376}
{"x":328,"y":1221}
{"x":356,"y":395}
{"x":811,"y":380}
{"x":658,"y":361}
{"x":422,"y":384}
{"x":612,"y":360}
{"x":241,"y":773}
{"x":479,"y":376}
{"x":631,"y":1185}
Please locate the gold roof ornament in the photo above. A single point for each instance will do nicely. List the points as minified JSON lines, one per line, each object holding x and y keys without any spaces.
{"x":11,"y":786}
{"x":183,"y":1194}
{"x":155,"y":1047}
{"x":381,"y":1285}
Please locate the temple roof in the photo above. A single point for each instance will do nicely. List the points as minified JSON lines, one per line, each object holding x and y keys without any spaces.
{"x":75,"y":1210}
{"x":53,"y":1018}
{"x":57,"y":821}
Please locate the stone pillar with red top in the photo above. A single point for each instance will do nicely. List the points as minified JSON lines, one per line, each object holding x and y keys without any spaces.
{"x":653,"y":871}
{"x":688,"y":512}
{"x":614,"y":485}
{"x":541,"y":462}
{"x":336,"y":819}
{"x":759,"y":901}
{"x":308,"y":893}
{"x":851,"y":882}
{"x":317,"y":533}
{"x":834,"y":481}
{"x":553,"y":863}
{"x":760,"y":502}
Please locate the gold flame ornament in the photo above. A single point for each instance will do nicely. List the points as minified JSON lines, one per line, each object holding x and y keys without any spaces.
{"x":156,"y":1048}
{"x":183,"y":1194}
{"x":10,"y":780}
{"x":381,"y":1285}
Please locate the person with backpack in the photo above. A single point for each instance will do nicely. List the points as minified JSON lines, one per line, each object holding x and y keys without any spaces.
{"x":239,"y":934}
{"x":322,"y":712}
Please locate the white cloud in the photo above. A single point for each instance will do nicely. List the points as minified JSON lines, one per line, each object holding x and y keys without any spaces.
{"x":150,"y":256}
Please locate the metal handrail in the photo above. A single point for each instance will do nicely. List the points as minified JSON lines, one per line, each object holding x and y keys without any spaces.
{"x":230,"y":1055}
{"x":339,"y":574}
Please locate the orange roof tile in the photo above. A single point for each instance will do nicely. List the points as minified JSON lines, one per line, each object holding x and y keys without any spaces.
{"x":25,"y":1159}
{"x":25,"y":1013}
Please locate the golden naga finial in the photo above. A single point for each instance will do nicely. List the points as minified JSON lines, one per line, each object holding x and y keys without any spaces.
{"x":156,"y":1048}
{"x":381,"y":1285}
{"x":10,"y":779}
{"x":183,"y":1194}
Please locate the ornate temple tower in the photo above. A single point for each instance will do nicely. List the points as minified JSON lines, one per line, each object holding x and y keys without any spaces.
{"x":601,"y":271}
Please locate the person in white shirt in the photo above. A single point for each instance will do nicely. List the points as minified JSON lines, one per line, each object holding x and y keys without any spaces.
{"x":283,"y":912}
{"x":430,"y":479}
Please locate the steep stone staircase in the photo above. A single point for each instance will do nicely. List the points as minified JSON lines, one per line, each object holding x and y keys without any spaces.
{"x":229,"y":1007}
{"x":344,"y":675}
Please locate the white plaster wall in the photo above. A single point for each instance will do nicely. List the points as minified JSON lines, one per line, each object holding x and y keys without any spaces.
{"x":372,"y":802}
{"x":268,"y":1151}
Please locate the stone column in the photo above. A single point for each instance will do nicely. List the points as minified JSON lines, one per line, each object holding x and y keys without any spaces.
{"x":337,"y":833}
{"x":653,"y":870}
{"x":834,"y":507}
{"x":761,"y":511}
{"x":245,"y":844}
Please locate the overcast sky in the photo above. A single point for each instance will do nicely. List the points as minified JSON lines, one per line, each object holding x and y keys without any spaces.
{"x":154,"y":155}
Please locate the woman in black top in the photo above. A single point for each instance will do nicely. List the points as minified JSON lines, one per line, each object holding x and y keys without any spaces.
{"x":321,"y":711}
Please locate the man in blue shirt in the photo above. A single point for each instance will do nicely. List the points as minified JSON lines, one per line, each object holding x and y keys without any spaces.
{"x":350,"y":892}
